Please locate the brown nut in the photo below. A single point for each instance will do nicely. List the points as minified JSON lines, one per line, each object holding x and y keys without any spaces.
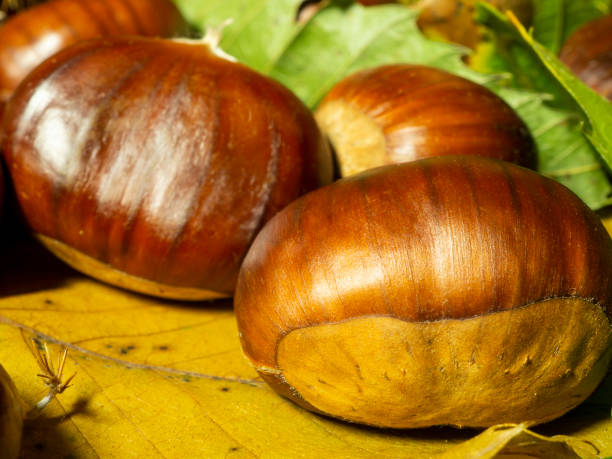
{"x":33,"y":35}
{"x":155,"y":173}
{"x":451,"y":290}
{"x":588,"y":53}
{"x":405,"y":112}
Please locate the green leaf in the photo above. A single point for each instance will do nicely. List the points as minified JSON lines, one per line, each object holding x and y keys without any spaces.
{"x":597,"y":110}
{"x":507,"y":53}
{"x":555,"y":20}
{"x":261,"y":30}
{"x":564,"y":154}
{"x":339,"y":41}
{"x":343,"y":38}
{"x":549,"y":23}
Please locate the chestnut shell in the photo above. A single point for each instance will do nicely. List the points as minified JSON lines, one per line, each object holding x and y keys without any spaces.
{"x":33,"y":35}
{"x":427,"y":244}
{"x":404,"y":112}
{"x":11,"y":417}
{"x":588,"y":53}
{"x":162,"y":165}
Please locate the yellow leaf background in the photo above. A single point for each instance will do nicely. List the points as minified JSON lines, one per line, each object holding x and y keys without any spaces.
{"x":158,"y":378}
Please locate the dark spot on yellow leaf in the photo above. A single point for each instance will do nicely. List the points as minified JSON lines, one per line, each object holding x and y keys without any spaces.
{"x":225,"y":389}
{"x":163,"y":348}
{"x":48,"y":301}
{"x":125,"y":350}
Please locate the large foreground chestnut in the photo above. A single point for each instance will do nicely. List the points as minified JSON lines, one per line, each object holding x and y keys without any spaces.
{"x":151,"y":164}
{"x":33,"y":35}
{"x":452,"y":290}
{"x":588,"y":53}
{"x":405,"y":112}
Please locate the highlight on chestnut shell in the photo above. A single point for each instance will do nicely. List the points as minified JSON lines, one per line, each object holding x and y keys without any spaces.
{"x":35,"y":34}
{"x":453,"y":290}
{"x":588,"y":53}
{"x":155,"y":173}
{"x":402,"y":112}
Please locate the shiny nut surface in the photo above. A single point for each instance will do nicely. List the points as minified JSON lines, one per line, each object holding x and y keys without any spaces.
{"x":35,"y":34}
{"x":404,"y":112}
{"x":161,"y":166}
{"x":452,"y":290}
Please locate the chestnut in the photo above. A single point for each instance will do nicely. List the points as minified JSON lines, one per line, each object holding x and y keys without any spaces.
{"x":453,"y":290}
{"x":404,"y":112}
{"x":154,"y":173}
{"x":588,"y":53}
{"x":34,"y":34}
{"x":12,"y":414}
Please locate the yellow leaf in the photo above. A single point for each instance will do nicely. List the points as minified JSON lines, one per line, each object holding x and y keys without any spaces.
{"x":166,"y":379}
{"x":518,"y":441}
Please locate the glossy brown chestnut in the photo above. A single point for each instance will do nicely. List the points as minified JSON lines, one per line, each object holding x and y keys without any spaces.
{"x":31,"y":36}
{"x":588,"y":53}
{"x":451,"y":290}
{"x":405,"y":112}
{"x":154,"y":173}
